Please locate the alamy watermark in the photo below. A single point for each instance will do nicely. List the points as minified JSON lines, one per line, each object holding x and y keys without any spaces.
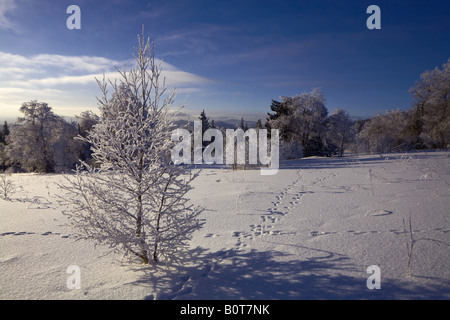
{"x":74,"y":21}
{"x":374,"y":21}
{"x":374,"y":280}
{"x":236,"y":151}
{"x":74,"y":280}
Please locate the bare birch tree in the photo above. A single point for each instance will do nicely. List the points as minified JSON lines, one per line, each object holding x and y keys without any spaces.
{"x":133,"y":198}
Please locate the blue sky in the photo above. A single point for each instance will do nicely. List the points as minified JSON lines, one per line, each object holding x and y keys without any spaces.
{"x":227,"y":57}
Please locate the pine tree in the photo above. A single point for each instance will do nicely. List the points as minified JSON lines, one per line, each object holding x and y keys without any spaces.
{"x":135,"y":201}
{"x":205,"y":126}
{"x":279,"y":108}
{"x":242,"y":124}
{"x":205,"y":121}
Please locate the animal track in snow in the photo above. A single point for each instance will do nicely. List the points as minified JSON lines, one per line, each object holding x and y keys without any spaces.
{"x":21,"y":233}
{"x":362,"y":232}
{"x":210,"y":235}
{"x":377,"y":213}
{"x":285,"y":201}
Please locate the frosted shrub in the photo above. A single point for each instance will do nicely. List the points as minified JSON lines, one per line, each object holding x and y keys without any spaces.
{"x":7,"y":186}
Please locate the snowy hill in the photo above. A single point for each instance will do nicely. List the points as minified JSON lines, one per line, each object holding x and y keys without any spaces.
{"x":308,"y":232}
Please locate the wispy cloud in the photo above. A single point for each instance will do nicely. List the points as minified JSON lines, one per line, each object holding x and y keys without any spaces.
{"x":41,"y":62}
{"x":62,"y":78}
{"x":5,"y":7}
{"x":198,"y":39}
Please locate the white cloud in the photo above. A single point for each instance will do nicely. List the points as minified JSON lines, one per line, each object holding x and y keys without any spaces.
{"x":174,"y":78}
{"x":38,"y":63}
{"x":63,"y":78}
{"x":76,"y":63}
{"x":66,"y":80}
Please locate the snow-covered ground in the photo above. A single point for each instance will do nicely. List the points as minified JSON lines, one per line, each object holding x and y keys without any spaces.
{"x":308,"y":232}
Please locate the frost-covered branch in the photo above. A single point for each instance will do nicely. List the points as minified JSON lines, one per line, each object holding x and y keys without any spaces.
{"x":133,"y":198}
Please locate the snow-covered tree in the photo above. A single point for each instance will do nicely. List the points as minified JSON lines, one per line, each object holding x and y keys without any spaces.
{"x":384,"y":132}
{"x":340,"y":129}
{"x":86,"y":121}
{"x":41,"y":140}
{"x":66,"y":150}
{"x":431,"y":117}
{"x":30,"y":139}
{"x":135,"y":201}
{"x":301,"y":118}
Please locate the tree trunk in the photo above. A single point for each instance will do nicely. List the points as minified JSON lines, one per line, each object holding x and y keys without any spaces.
{"x":140,"y":237}
{"x":139,"y":227}
{"x":158,"y":219}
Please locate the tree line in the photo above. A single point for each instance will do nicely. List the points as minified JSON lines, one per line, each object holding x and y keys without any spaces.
{"x":307,"y":129}
{"x":42,"y":141}
{"x":304,"y":119}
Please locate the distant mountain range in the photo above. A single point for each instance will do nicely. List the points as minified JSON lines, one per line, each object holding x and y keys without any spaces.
{"x":226,"y":124}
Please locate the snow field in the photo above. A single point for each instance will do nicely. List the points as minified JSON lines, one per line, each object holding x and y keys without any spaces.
{"x":308,"y":232}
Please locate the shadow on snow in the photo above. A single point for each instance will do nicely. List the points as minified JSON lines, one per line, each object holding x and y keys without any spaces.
{"x":338,"y":162}
{"x":256,"y":275}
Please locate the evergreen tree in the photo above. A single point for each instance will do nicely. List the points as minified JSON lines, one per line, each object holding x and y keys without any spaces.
{"x":279,"y":109}
{"x":205,"y":126}
{"x":242,"y":124}
{"x":258,"y":124}
{"x":205,"y":121}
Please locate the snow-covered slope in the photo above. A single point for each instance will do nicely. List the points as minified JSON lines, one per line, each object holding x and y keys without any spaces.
{"x":308,"y":232}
